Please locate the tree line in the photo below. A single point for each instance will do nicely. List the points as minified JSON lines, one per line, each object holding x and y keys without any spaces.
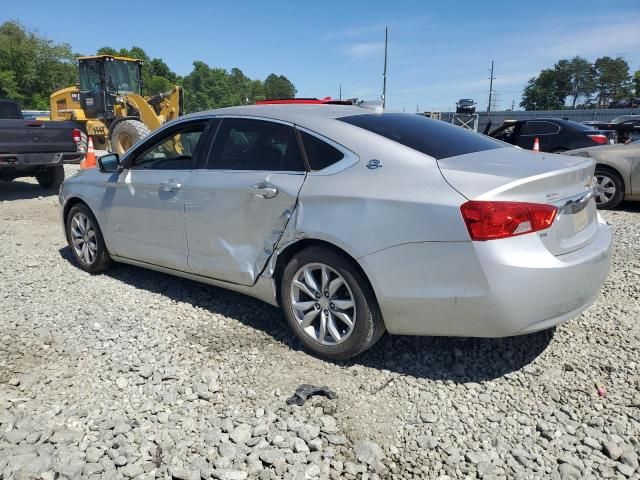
{"x":578,"y":83}
{"x":33,"y":67}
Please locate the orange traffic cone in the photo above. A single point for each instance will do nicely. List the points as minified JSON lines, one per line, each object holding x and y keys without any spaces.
{"x":536,"y":145}
{"x":89,"y":160}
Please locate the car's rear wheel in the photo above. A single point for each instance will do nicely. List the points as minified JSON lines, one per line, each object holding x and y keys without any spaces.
{"x":85,"y":240}
{"x":51,"y":178}
{"x":329,"y":304}
{"x":609,"y":188}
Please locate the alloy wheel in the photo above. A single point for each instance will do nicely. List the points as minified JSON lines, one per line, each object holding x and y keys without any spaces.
{"x":83,"y":238}
{"x":605,"y":189}
{"x":323,"y":304}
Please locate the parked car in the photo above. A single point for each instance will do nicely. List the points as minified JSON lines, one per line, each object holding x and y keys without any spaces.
{"x":33,"y":148}
{"x":617,"y":172}
{"x":466,"y":105}
{"x":554,"y":135}
{"x":354,"y":221}
{"x":627,"y":127}
{"x":625,"y":103}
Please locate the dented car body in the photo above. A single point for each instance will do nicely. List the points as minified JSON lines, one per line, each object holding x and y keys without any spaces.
{"x":377,"y":189}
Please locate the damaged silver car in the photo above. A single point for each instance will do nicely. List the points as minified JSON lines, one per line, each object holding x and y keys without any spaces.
{"x":356,"y":222}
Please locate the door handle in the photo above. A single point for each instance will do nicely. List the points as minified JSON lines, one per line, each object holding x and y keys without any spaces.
{"x":170,"y":186}
{"x":263,"y":190}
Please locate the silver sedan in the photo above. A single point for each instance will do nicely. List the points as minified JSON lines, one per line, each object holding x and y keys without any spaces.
{"x":356,"y":222}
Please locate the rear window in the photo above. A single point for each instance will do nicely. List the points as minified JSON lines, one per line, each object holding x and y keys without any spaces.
{"x":9,"y":111}
{"x":435,"y":138}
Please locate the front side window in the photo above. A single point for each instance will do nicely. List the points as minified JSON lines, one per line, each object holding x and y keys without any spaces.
{"x":247,"y":144}
{"x":175,"y":151}
{"x":540,"y":128}
{"x":319,"y":154}
{"x":435,"y":138}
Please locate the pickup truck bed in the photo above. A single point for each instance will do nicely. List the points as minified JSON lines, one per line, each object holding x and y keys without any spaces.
{"x":34,"y":148}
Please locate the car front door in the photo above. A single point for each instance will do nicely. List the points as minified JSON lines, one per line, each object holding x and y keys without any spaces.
{"x":145,"y":219}
{"x":238,"y":206}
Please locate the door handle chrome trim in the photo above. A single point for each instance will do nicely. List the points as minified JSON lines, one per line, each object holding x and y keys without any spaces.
{"x":170,"y":186}
{"x":263,"y":190}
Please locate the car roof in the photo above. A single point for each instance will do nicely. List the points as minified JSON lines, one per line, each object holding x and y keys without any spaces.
{"x":286,"y":112}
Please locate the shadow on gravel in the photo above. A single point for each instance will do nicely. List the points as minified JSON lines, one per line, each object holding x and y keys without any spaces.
{"x":437,"y":358}
{"x":17,"y":190}
{"x":633,"y":207}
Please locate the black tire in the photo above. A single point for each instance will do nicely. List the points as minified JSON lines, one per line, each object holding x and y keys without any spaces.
{"x":615,"y":180}
{"x":368,"y":325}
{"x":51,"y":178}
{"x":126,"y":133}
{"x":102,"y":260}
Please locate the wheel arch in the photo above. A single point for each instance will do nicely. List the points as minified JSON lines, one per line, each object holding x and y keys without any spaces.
{"x":290,"y":250}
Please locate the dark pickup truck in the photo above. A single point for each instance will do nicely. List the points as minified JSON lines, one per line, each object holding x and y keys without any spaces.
{"x":33,"y":148}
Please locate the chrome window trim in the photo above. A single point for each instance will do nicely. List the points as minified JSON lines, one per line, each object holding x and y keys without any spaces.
{"x":349,"y":159}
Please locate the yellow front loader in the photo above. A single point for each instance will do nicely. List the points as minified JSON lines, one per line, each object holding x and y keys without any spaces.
{"x":108,"y":104}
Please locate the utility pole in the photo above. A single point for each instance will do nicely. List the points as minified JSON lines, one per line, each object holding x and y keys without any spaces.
{"x":513,"y":105}
{"x":340,"y":91}
{"x":384,"y":73}
{"x":491,"y":79}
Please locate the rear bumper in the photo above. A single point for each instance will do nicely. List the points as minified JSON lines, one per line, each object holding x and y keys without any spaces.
{"x":485,"y":289}
{"x":29,"y":161}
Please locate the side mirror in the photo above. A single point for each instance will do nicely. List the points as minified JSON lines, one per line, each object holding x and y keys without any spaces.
{"x":109,"y":163}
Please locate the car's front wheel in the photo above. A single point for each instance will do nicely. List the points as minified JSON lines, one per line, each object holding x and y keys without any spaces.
{"x":85,"y":240}
{"x":329,"y":304}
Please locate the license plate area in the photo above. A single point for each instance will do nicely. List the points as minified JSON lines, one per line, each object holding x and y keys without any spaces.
{"x":580,"y":219}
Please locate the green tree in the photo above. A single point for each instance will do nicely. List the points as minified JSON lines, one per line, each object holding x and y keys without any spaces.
{"x":547,"y":91}
{"x":636,"y":83}
{"x":612,"y":79}
{"x":279,"y":86}
{"x":581,"y":82}
{"x":32,"y":67}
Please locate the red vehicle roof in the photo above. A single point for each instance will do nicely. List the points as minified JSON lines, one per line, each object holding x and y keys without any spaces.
{"x":301,"y":101}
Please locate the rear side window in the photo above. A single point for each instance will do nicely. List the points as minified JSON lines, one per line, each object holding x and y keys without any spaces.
{"x":540,"y":128}
{"x":245,"y":144}
{"x":319,"y":154}
{"x":435,"y":138}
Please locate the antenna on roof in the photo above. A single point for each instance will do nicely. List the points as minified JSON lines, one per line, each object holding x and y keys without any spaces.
{"x":384,"y":73}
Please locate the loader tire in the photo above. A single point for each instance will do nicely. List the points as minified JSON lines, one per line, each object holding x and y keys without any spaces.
{"x":126,"y":134}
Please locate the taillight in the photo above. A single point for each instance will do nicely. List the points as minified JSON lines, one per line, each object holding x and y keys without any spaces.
{"x":599,"y":139}
{"x":493,"y":220}
{"x":77,"y":135}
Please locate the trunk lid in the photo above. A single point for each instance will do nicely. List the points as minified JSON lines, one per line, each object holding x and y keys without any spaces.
{"x":33,"y":136}
{"x":515,"y":175}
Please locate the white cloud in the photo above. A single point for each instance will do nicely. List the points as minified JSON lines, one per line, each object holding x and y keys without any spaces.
{"x":363,"y":50}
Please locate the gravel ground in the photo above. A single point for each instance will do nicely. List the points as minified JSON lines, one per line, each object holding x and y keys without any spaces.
{"x":136,"y":374}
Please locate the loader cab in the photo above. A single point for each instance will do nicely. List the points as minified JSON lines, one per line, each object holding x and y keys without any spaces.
{"x":103,"y":78}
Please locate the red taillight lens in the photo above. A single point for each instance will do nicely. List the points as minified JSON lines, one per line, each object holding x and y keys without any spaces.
{"x":599,"y":139}
{"x":77,"y":136}
{"x":493,"y":220}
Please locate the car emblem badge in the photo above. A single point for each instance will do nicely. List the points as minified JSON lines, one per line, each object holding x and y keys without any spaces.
{"x":373,"y":164}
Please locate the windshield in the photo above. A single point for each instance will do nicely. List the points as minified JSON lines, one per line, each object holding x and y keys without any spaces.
{"x":122,"y":77}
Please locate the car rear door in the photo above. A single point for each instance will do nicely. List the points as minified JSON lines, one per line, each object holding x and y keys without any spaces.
{"x":145,"y":205}
{"x":545,"y":132}
{"x":238,"y":206}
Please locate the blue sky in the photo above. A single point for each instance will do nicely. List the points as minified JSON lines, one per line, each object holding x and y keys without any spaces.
{"x":438,"y":52}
